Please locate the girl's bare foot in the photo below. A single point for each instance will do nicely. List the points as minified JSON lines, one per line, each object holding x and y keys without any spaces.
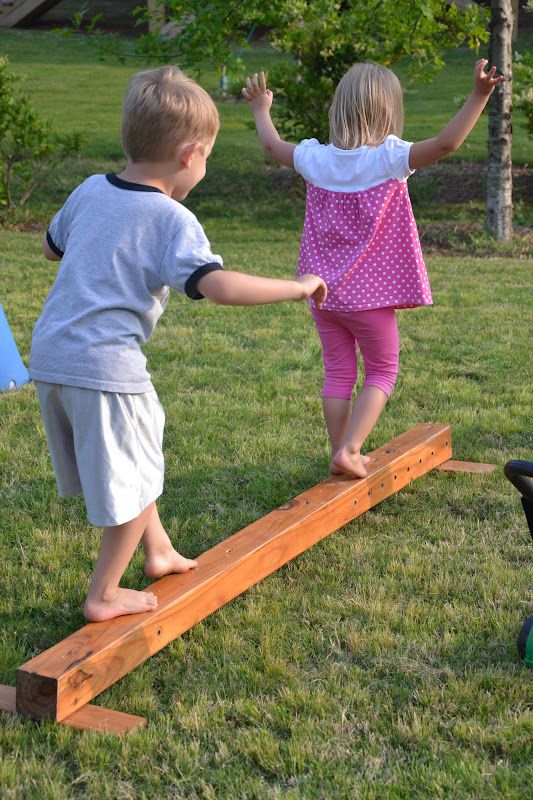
{"x":123,"y":601}
{"x":346,"y":463}
{"x":165,"y":562}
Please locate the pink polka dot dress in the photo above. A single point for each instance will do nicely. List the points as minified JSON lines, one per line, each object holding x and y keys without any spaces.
{"x":359,"y":232}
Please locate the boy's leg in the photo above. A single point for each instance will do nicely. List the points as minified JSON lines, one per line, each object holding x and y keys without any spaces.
{"x":160,"y":556}
{"x":105,"y":599}
{"x":377,"y":335}
{"x":340,"y":373}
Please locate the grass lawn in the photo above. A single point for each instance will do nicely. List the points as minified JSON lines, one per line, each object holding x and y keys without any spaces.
{"x":379,"y":665}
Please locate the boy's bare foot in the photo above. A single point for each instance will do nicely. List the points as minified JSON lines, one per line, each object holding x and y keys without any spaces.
{"x":125,"y":601}
{"x":346,"y":463}
{"x":165,"y":562}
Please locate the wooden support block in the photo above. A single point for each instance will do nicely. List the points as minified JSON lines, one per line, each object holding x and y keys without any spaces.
{"x":88,"y":718}
{"x":25,"y":11}
{"x":67,"y":676}
{"x":465,"y":466}
{"x":105,"y":720}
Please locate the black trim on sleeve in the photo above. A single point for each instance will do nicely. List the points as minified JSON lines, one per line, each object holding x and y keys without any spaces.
{"x":190,"y":285}
{"x":133,"y":187}
{"x":53,"y":246}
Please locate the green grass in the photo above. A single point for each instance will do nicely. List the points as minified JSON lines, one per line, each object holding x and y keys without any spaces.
{"x":381,"y":664}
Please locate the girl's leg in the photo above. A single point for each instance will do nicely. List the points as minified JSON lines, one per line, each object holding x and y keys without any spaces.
{"x":367,"y":408}
{"x":105,"y":599}
{"x":160,"y":556}
{"x":340,"y":373}
{"x":377,"y":335}
{"x":337,"y":411}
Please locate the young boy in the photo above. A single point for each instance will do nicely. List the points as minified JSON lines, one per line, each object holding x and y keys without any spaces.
{"x":123,"y":240}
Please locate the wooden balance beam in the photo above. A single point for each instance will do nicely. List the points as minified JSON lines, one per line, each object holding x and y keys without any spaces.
{"x":59,"y":683}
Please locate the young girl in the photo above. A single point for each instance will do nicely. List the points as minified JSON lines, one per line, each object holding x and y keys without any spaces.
{"x":360,"y":235}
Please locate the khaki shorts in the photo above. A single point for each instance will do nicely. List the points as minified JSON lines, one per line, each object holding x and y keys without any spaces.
{"x":106,"y":445}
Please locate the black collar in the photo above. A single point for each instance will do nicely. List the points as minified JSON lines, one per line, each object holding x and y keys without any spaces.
{"x":132,"y":187}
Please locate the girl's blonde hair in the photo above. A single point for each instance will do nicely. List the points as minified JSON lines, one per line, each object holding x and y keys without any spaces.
{"x":162,"y":109}
{"x":367,"y":106}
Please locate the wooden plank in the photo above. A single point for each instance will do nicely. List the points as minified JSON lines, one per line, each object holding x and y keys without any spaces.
{"x":88,"y":718}
{"x":466,"y":466}
{"x":24,"y":11}
{"x":68,"y":675}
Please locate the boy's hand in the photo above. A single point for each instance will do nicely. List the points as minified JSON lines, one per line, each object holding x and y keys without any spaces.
{"x":256,"y":92}
{"x":313,"y":287}
{"x":484,"y":82}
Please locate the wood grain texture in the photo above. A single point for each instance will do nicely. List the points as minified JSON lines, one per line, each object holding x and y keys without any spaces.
{"x":67,"y":676}
{"x":88,"y":718}
{"x":466,"y":466}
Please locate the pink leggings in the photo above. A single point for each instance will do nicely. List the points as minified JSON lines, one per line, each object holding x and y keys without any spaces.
{"x":375,"y":332}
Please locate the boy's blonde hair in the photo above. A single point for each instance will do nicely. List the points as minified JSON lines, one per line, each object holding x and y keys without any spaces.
{"x":366,"y":108}
{"x":162,"y":109}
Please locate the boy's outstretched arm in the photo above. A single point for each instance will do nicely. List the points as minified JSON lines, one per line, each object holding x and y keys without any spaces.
{"x":455,"y":132}
{"x":260,"y":101}
{"x":240,"y":289}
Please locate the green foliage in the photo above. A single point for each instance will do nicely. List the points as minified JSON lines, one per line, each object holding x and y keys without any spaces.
{"x":325,"y":38}
{"x":523,"y":81}
{"x":322,"y":40}
{"x":204,"y":33}
{"x":523,"y":87}
{"x":28,"y":148}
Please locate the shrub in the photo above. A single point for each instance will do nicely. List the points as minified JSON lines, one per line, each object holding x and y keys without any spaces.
{"x":29,"y":150}
{"x":325,"y":38}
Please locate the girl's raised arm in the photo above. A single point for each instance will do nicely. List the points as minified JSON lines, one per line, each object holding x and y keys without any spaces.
{"x":455,"y":132}
{"x":260,"y":100}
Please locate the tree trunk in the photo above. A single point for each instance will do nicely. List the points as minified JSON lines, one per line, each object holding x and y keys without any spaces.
{"x":499,"y":219}
{"x":515,"y":5}
{"x":156,"y":9}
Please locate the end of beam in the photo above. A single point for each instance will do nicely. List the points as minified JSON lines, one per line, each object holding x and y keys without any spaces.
{"x":36,"y":695}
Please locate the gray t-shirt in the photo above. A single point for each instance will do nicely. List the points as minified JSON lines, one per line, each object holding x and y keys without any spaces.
{"x":122,"y":246}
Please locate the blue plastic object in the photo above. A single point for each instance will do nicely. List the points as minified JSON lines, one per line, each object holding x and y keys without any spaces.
{"x":13,"y":373}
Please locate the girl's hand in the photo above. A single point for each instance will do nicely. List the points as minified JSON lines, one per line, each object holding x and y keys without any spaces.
{"x":313,"y":287}
{"x":256,"y":92}
{"x":484,"y":82}
{"x":260,"y":100}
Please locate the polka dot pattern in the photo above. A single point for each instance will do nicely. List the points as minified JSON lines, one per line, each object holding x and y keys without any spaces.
{"x":365,"y":246}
